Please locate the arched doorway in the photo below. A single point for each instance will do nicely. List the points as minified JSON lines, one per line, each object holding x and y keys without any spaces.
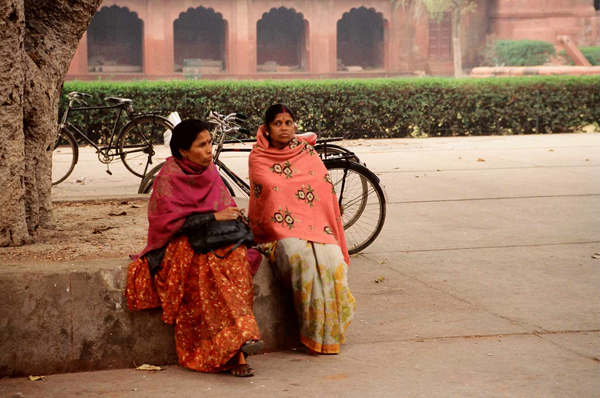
{"x":281,"y":37}
{"x":115,"y":41}
{"x":200,"y":41}
{"x":361,"y":40}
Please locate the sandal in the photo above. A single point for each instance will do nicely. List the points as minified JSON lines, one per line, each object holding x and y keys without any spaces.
{"x":242,"y":370}
{"x":253,"y":347}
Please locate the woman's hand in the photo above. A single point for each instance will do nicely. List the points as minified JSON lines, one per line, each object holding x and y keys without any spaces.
{"x":230,"y":213}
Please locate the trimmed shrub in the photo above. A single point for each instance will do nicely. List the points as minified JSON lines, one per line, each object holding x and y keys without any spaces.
{"x":591,"y":53}
{"x":518,"y":53}
{"x":376,"y":108}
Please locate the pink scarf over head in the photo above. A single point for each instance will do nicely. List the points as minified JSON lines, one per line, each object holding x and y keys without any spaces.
{"x":292,"y":195}
{"x":180,"y":189}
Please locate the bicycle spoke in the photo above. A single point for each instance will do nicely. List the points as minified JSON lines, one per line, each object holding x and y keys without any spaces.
{"x":359,"y":198}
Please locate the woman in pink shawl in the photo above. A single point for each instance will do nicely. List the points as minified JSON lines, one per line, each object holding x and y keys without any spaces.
{"x":208,"y":299}
{"x":295,"y":217}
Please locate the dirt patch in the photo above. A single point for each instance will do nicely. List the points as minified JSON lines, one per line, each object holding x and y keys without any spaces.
{"x":86,"y":231}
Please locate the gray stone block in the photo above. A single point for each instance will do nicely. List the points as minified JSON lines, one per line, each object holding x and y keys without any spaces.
{"x":72,"y":317}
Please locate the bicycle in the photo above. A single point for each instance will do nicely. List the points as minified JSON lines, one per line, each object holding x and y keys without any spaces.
{"x":361,"y":197}
{"x":134,"y":143}
{"x":228,"y":124}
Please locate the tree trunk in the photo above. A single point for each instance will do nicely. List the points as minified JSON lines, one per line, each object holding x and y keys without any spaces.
{"x":39,"y":40}
{"x":456,"y":42}
{"x":13,"y":230}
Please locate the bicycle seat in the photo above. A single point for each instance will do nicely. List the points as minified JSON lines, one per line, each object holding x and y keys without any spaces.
{"x":311,"y":138}
{"x":119,"y":101}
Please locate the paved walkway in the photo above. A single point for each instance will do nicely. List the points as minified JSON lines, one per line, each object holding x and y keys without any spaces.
{"x":490,"y":287}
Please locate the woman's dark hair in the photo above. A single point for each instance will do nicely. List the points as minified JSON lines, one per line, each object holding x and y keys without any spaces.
{"x":185,"y":133}
{"x":275,"y":110}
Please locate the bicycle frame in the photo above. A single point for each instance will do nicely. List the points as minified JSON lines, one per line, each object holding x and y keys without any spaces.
{"x":105,"y":150}
{"x":233,"y":177}
{"x":70,"y":126}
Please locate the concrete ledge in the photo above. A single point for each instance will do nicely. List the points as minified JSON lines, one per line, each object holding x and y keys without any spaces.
{"x":73,"y":317}
{"x":484,"y":71}
{"x":106,"y":198}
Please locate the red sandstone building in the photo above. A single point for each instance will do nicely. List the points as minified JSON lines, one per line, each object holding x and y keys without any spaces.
{"x":306,"y":38}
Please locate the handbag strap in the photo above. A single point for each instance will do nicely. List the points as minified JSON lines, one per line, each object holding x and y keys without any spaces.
{"x":230,"y":250}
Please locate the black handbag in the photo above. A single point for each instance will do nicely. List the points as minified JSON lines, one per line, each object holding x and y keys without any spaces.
{"x":217,"y":234}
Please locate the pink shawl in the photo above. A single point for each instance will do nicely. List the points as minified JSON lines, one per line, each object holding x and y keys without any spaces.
{"x":180,"y":189}
{"x":292,"y":195}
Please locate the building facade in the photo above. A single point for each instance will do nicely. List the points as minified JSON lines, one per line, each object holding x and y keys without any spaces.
{"x":305,"y":38}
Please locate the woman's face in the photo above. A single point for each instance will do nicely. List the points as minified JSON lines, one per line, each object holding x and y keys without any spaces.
{"x":200,"y":151}
{"x":281,"y":130}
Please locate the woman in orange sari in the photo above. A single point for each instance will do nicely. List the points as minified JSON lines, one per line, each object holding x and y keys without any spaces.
{"x":295,"y":217}
{"x":207,"y":298}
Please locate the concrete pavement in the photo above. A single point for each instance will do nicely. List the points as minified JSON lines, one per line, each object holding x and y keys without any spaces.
{"x":489,"y":290}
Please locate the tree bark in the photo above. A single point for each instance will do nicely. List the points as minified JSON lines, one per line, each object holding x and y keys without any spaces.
{"x":39,"y":40}
{"x":13,"y":230}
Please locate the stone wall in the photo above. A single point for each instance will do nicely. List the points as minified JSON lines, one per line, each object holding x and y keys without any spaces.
{"x":545,"y":20}
{"x":403,"y":48}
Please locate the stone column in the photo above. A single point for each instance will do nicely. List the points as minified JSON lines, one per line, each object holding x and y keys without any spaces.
{"x":396,"y":33}
{"x":330,"y":33}
{"x":387,"y":28}
{"x":318,"y":47}
{"x":158,"y":41}
{"x":241,"y":40}
{"x":79,"y":63}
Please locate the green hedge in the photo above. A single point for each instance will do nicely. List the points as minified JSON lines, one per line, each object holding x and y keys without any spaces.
{"x":518,"y":53}
{"x":591,"y":53}
{"x":374,"y":108}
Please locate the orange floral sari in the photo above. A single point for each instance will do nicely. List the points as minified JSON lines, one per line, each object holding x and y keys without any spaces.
{"x":209,"y":300}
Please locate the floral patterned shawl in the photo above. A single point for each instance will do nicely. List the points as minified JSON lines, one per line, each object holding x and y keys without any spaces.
{"x":180,"y":189}
{"x":292,"y":195}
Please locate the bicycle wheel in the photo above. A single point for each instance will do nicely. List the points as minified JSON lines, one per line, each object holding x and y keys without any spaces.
{"x":229,"y":188}
{"x":137,"y":140}
{"x":362,"y":202}
{"x":148,"y":180}
{"x":64,"y":156}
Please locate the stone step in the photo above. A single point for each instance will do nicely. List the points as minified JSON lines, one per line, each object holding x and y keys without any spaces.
{"x":116,"y":68}
{"x":73,"y":317}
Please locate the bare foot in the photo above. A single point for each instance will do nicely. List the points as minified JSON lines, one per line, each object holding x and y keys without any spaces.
{"x":242,"y":369}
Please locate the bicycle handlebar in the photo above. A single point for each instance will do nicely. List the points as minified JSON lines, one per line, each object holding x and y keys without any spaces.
{"x":75,"y":95}
{"x":227,"y":120}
